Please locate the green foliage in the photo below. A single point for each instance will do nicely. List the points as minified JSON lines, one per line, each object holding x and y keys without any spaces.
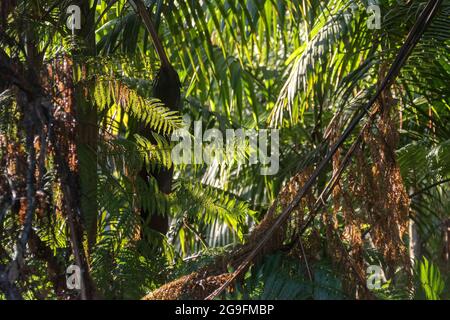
{"x":431,"y":280}
{"x":279,"y":277}
{"x":219,"y":215}
{"x":149,"y":112}
{"x":299,"y":66}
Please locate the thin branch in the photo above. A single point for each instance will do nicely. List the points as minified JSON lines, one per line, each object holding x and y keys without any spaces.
{"x":196,"y":233}
{"x":30,"y":180}
{"x":413,"y":37}
{"x":13,"y":270}
{"x":326,"y":192}
{"x":142,"y":11}
{"x":431,"y":186}
{"x":349,"y":259}
{"x":306,"y":260}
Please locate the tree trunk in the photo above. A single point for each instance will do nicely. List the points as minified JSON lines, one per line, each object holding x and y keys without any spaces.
{"x":87,"y":135}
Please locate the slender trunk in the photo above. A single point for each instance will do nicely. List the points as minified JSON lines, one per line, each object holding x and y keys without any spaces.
{"x":87,"y":135}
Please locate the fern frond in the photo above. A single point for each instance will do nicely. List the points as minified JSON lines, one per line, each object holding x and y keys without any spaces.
{"x":207,"y":204}
{"x":149,"y":112}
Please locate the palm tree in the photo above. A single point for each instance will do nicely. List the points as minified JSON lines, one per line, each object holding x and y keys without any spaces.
{"x":72,"y":102}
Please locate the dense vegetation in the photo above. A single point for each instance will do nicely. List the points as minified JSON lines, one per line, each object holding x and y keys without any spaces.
{"x":73,"y":102}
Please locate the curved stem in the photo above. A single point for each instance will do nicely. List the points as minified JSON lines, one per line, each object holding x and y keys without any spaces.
{"x":142,"y":11}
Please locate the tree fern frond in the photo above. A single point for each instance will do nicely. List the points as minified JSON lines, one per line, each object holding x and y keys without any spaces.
{"x":206,"y":203}
{"x":149,"y":112}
